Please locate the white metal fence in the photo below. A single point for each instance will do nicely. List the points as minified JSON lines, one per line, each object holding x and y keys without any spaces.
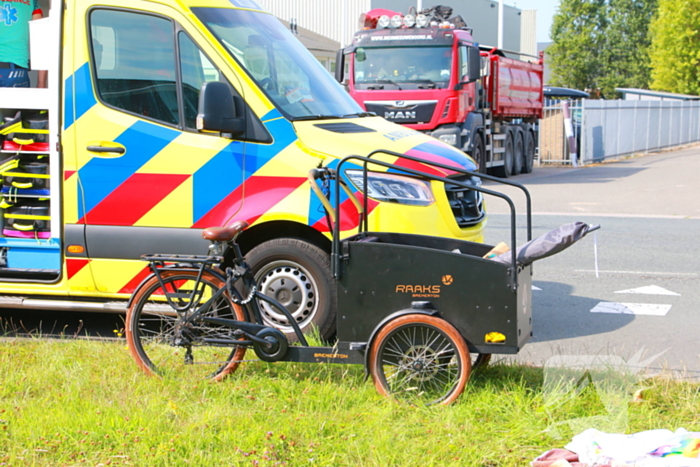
{"x":553,"y":144}
{"x":609,"y":129}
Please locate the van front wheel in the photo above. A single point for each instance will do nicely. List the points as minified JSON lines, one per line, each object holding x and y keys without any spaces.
{"x":298,"y":275}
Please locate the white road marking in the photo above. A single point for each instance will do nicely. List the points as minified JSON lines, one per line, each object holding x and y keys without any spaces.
{"x":644,"y":273}
{"x":534,"y":287}
{"x":631,"y":308}
{"x":650,"y":290}
{"x":599,"y":214}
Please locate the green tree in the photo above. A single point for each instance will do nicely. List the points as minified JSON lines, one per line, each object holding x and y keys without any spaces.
{"x":625,"y":48}
{"x":675,"y":47}
{"x":577,"y":35}
{"x":601,"y":44}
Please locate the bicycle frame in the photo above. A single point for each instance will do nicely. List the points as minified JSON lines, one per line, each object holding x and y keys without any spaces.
{"x":206,"y":264}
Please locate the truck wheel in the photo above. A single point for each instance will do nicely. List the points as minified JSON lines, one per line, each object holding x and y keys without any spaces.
{"x":506,"y":170}
{"x":518,"y":150}
{"x":298,"y":275}
{"x":529,"y":154}
{"x":478,"y":153}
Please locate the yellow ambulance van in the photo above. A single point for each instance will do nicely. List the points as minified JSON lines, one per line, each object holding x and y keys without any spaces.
{"x":114,"y":159}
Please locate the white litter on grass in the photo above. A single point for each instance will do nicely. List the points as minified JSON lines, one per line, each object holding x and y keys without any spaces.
{"x":650,"y":290}
{"x":631,"y":308}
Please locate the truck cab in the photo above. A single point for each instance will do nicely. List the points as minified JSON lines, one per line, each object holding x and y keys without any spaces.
{"x":162,"y":118}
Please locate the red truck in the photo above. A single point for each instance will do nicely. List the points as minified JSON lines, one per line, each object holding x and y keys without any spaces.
{"x":426,"y":72}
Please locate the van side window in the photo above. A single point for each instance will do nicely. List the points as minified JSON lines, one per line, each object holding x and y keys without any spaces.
{"x":135,"y":63}
{"x":195,"y":69}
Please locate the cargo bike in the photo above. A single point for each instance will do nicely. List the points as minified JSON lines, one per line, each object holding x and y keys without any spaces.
{"x":418,"y":312}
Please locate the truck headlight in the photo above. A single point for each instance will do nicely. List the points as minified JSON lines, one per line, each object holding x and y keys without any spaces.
{"x":450,"y":139}
{"x":393,"y":188}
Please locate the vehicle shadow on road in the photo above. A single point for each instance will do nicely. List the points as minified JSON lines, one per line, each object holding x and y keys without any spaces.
{"x":556,"y":176}
{"x":551,"y":321}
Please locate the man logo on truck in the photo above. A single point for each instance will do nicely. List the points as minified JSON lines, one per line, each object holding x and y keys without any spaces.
{"x":397,"y":115}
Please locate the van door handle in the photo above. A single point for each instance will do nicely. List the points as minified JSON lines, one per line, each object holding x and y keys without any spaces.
{"x":106,"y":148}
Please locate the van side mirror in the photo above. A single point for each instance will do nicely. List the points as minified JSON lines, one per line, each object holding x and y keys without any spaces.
{"x":340,"y":65}
{"x":219,"y":110}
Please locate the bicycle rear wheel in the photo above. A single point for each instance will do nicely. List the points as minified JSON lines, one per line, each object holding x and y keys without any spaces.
{"x":165,"y":343}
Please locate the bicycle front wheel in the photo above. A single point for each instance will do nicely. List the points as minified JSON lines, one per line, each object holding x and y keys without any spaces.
{"x":419,"y":359}
{"x":166,"y":342}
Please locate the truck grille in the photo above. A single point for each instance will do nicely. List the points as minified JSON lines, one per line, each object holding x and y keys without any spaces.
{"x":403,"y":111}
{"x":467,"y":205}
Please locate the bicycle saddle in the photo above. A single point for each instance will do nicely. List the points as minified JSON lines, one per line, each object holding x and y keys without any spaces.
{"x":224,"y":234}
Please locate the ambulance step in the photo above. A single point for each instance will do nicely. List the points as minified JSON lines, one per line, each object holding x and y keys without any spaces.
{"x":499,"y":137}
{"x":499,"y":150}
{"x":35,"y":274}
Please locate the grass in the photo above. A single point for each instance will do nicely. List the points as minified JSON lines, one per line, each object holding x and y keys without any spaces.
{"x":69,"y":403}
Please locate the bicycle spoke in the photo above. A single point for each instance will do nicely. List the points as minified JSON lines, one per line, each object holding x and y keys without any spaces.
{"x":420,"y":358}
{"x":172,"y":342}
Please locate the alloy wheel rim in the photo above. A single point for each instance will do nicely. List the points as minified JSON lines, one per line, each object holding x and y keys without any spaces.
{"x":292,"y":286}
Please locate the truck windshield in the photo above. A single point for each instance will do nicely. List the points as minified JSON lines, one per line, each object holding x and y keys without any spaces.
{"x":291,"y":77}
{"x":398,"y":66}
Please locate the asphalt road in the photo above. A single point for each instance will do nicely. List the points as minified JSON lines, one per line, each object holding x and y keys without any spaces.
{"x":649,"y":210}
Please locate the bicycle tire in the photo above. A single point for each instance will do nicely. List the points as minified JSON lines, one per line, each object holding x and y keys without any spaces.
{"x":154,"y":328}
{"x":419,"y":359}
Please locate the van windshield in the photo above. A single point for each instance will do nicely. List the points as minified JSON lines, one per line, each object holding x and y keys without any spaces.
{"x":291,"y":77}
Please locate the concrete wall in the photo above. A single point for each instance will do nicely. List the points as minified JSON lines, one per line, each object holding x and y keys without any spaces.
{"x":528,"y":32}
{"x":542,"y":47}
{"x":335,"y":19}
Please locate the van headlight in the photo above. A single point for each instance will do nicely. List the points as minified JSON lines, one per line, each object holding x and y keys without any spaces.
{"x":393,"y":188}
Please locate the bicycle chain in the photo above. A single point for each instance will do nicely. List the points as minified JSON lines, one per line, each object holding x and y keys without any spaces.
{"x":231,"y":277}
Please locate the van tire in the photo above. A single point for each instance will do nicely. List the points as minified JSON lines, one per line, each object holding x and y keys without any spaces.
{"x":298,"y":275}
